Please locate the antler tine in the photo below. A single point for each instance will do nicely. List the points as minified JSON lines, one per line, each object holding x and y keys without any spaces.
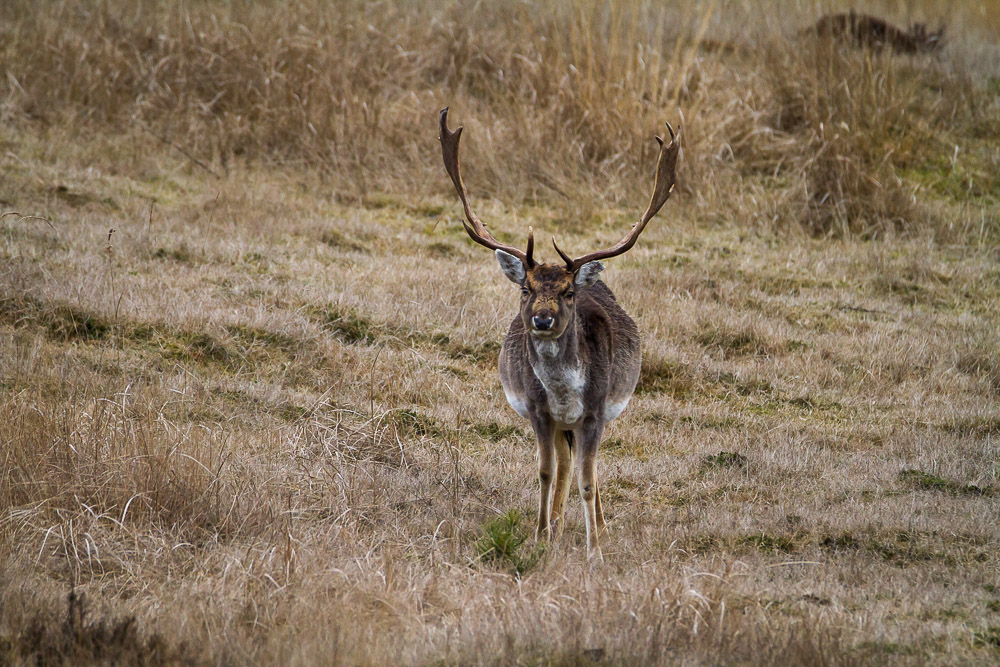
{"x":474,"y":227}
{"x":663,"y":186}
{"x":566,"y":258}
{"x":663,"y":183}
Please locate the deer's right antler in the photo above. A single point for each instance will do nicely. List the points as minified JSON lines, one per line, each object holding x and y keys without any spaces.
{"x":475,"y":228}
{"x":663,"y":186}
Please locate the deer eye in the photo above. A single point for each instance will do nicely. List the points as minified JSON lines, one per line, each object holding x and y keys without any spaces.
{"x":524,"y":291}
{"x":570,"y":294}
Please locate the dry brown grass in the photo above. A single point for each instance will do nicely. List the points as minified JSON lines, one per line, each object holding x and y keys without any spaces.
{"x":559,"y":101}
{"x":260,"y":422}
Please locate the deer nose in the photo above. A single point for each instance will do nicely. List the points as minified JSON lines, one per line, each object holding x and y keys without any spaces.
{"x":542,"y":322}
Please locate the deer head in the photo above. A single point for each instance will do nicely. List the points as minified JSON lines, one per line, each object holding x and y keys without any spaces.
{"x":924,"y":40}
{"x":548,"y":290}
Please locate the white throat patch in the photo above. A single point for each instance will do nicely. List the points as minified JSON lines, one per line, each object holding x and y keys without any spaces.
{"x":547,"y":348}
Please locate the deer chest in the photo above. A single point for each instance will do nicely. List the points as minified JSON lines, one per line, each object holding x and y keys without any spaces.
{"x":564,"y":386}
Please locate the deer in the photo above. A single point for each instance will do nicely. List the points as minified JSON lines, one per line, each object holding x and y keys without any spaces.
{"x":571,"y":358}
{"x":876,"y":33}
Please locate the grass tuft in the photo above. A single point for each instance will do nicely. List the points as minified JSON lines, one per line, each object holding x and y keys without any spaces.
{"x":413,"y":422}
{"x":919,"y":479}
{"x":501,"y":543}
{"x":770,"y":543}
{"x":987,"y":637}
{"x":724,"y":460}
{"x":736,"y":341}
{"x":495,"y":432}
{"x":347,"y":325}
{"x":659,"y":376}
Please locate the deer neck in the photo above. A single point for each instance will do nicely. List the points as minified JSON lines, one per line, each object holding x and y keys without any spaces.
{"x":556,"y":364}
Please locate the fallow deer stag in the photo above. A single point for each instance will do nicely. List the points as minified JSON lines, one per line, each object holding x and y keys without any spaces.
{"x":571,"y":358}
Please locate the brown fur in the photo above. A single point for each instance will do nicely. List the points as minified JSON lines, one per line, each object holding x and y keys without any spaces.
{"x":547,"y":287}
{"x":614,"y":360}
{"x":594,"y":334}
{"x":873,"y":32}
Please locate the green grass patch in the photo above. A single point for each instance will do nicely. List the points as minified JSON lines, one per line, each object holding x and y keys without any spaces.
{"x":720,"y":423}
{"x":495,"y":432}
{"x":337,"y":239}
{"x":661,"y":376}
{"x":284,"y":411}
{"x":239,"y":345}
{"x":181,"y":253}
{"x":196,"y":346}
{"x":977,"y":427}
{"x":968,"y":178}
{"x":840,"y":542}
{"x":348,"y":326}
{"x":415,"y":423}
{"x":769,"y":543}
{"x":481,"y":354}
{"x":903,"y":550}
{"x":427,"y":210}
{"x":356,"y":329}
{"x":251,"y":337}
{"x":723,"y":460}
{"x":886,"y":648}
{"x":502,"y":544}
{"x":617,"y":489}
{"x":61,"y":321}
{"x":987,"y":637}
{"x":704,"y":543}
{"x":640,"y":449}
{"x":797,"y":345}
{"x":735,"y":341}
{"x":441,"y":249}
{"x":377,"y":201}
{"x":918,"y":479}
{"x":79,"y":199}
{"x":71,"y":323}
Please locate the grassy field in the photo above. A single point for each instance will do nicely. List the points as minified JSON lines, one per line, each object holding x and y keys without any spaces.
{"x":249,"y":408}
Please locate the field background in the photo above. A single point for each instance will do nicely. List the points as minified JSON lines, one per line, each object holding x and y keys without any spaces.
{"x":249,"y":410}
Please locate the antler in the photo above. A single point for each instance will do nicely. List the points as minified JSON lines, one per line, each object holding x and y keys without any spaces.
{"x":663,"y":185}
{"x":475,"y":228}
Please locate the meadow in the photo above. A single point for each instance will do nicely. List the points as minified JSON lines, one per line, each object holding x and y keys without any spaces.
{"x":249,"y":407}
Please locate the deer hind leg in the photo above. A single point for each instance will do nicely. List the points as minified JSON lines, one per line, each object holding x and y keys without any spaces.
{"x":545,"y":455}
{"x":564,"y":472}
{"x":597,"y":505}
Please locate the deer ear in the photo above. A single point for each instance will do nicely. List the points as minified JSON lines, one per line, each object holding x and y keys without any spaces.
{"x":511,"y":266}
{"x":587,"y":274}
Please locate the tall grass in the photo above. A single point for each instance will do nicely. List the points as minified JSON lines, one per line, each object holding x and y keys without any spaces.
{"x":560,"y":101}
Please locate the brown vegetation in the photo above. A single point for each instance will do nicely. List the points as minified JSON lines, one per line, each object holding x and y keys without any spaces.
{"x":258,"y":421}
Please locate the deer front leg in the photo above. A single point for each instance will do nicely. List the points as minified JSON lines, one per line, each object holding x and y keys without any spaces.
{"x":590,"y":439}
{"x":546,"y":450}
{"x":564,"y":471}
